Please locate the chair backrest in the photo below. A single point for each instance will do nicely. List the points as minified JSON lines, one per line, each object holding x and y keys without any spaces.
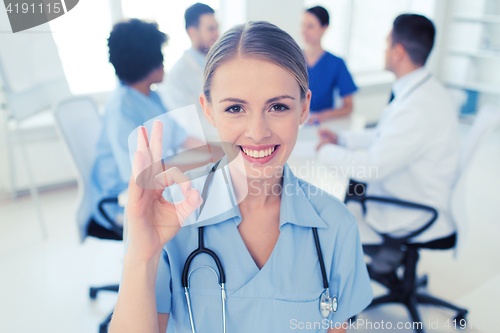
{"x":487,"y":119}
{"x":80,"y":125}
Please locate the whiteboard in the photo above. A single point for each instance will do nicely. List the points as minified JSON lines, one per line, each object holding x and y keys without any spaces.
{"x":31,"y":69}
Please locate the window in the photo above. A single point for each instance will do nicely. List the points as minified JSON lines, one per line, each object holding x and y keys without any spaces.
{"x":81,"y":38}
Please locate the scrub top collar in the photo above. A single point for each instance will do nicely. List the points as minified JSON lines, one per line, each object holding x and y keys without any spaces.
{"x":136,"y":93}
{"x":296,"y":207}
{"x":317,"y":61}
{"x":406,"y":82}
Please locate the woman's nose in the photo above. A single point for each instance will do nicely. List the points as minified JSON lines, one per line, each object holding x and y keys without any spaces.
{"x":257,"y":128}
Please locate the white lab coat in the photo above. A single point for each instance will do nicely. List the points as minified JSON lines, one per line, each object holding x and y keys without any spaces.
{"x":182,"y":87}
{"x":411,"y":155}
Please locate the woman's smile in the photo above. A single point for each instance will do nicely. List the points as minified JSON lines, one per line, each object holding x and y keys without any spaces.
{"x":259,"y":154}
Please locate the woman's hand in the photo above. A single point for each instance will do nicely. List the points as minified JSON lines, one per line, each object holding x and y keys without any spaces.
{"x":152,"y":220}
{"x":315,"y":119}
{"x":326,"y":137}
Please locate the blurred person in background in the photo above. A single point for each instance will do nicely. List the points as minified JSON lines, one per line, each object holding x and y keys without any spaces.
{"x":413,"y":152}
{"x":184,"y":81}
{"x":135,"y":53}
{"x":327,"y":73}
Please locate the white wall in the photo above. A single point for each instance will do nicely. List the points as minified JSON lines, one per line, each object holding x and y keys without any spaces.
{"x":285,"y":14}
{"x":4,"y":154}
{"x":230,"y":13}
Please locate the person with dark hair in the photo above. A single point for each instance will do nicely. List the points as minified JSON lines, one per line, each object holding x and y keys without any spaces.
{"x":328,"y":74}
{"x":184,"y":81}
{"x":414,"y":149}
{"x":415,"y":34}
{"x":135,"y":53}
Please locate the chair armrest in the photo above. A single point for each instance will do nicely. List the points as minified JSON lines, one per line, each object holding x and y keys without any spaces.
{"x":405,"y":204}
{"x":115,"y":227}
{"x":359,"y":196}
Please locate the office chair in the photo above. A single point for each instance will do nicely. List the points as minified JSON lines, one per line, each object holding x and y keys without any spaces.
{"x":396,"y":253}
{"x":80,"y":125}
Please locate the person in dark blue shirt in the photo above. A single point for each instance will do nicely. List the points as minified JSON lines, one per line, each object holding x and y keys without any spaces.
{"x":327,"y":72}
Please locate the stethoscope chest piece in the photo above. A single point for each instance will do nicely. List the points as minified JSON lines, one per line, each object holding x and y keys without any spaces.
{"x":327,"y":304}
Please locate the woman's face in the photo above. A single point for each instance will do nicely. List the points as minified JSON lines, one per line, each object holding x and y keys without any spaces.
{"x":312,"y":31}
{"x":256,"y":108}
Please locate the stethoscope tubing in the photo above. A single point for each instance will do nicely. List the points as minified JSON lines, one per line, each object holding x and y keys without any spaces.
{"x":320,"y":257}
{"x":202,"y":249}
{"x":222,"y":277}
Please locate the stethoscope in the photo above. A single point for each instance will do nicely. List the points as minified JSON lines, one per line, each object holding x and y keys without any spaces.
{"x":327,"y":304}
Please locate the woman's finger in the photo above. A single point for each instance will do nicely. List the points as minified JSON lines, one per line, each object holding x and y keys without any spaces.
{"x":187,"y":206}
{"x":323,"y":131}
{"x":174,"y":176}
{"x":326,"y":135}
{"x":134,"y":190}
{"x":156,"y":140}
{"x":143,"y":147}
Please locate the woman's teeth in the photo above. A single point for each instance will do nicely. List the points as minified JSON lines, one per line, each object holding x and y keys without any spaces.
{"x":258,"y":153}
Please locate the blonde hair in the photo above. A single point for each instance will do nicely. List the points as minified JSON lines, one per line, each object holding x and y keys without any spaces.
{"x":261,"y":40}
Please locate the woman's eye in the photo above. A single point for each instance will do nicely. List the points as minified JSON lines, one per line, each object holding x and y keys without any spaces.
{"x":234,"y":109}
{"x":279,"y":107}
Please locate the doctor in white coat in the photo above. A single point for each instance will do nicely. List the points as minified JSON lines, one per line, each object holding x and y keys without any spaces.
{"x":184,"y":81}
{"x":413,"y":152}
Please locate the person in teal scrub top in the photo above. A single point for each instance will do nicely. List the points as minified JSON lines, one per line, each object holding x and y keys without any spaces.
{"x":256,"y":94}
{"x":135,"y":53}
{"x":327,"y":72}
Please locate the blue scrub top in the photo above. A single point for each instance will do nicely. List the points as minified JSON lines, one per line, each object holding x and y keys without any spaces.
{"x":284,"y":294}
{"x":328,"y":74}
{"x":126,"y":109}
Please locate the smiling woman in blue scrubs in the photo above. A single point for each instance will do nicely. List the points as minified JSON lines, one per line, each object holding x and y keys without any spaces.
{"x":256,"y":95}
{"x":135,"y":53}
{"x":327,"y":73}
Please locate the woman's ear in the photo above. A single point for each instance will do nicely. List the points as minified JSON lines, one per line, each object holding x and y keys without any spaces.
{"x":305,"y":107}
{"x":207,"y":109}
